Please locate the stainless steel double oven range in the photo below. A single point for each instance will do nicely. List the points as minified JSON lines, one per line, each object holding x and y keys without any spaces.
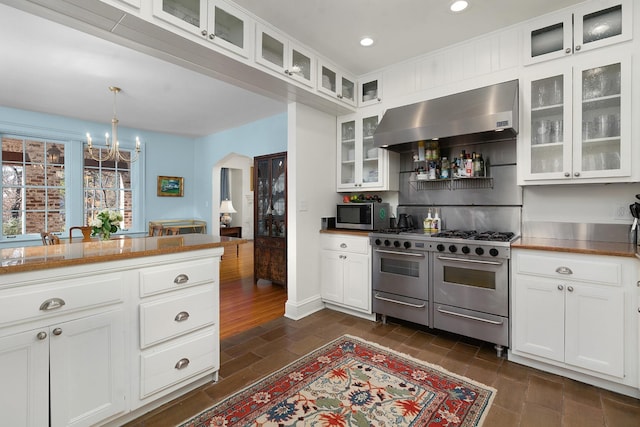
{"x":456,"y":281}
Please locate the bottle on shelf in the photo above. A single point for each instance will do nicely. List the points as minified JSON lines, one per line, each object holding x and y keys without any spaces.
{"x":444,"y":168}
{"x":468,"y":166}
{"x":478,"y":165}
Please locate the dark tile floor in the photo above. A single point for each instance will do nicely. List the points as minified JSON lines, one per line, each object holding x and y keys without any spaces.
{"x":526,"y":397}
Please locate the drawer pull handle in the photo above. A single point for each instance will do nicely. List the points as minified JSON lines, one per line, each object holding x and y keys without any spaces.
{"x":52,"y":304}
{"x":564,"y":270}
{"x":466,"y":316}
{"x":181,"y":317}
{"x":182,"y":363}
{"x":181,"y":279}
{"x":378,"y":297}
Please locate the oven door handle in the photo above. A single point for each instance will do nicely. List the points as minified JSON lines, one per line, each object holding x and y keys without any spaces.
{"x":382,"y":251}
{"x":466,"y":316}
{"x":377,"y":296}
{"x":474,"y":261}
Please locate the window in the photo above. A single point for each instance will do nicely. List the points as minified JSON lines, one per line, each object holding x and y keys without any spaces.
{"x":33,"y":186}
{"x":107,"y":185}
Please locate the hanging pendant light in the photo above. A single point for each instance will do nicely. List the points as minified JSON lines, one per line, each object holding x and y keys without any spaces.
{"x":112,"y":145}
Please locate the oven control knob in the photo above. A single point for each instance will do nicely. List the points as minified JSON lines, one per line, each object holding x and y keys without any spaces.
{"x":387,"y":243}
{"x":479,"y":251}
{"x":407,"y":245}
{"x":493,"y":252}
{"x":465,"y":249}
{"x":453,"y":249}
{"x":396,"y":244}
{"x":440,"y":247}
{"x":378,"y":242}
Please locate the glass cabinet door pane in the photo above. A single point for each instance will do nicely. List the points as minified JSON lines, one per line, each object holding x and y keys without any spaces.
{"x":186,"y":10}
{"x":229,"y":27}
{"x":264,"y":200}
{"x":370,"y":158}
{"x":348,"y":89}
{"x":328,"y":79}
{"x":547,"y":40}
{"x":601,"y":110}
{"x":369,"y":91}
{"x":348,"y":152}
{"x":300,"y":65}
{"x":278,"y":197}
{"x":272,"y":50}
{"x":547,"y":124}
{"x":602,"y":24}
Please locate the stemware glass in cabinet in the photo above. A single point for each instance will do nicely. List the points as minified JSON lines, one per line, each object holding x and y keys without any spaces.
{"x":547,"y":124}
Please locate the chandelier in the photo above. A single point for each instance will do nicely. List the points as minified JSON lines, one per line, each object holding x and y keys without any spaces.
{"x":112,"y":145}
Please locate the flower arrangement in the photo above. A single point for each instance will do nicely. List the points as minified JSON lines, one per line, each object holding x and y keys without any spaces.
{"x":105,"y":223}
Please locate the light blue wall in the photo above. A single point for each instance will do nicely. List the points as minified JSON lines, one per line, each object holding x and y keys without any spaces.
{"x":254,"y":139}
{"x":164,"y":154}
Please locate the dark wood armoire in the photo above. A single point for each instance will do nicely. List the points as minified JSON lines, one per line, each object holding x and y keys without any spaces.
{"x":270,"y":218}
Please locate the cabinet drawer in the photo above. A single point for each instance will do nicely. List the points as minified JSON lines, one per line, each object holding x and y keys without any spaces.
{"x":587,"y":269}
{"x":352,"y":244}
{"x":170,"y":317}
{"x":65,"y":296}
{"x":178,"y":361}
{"x":154,"y":280}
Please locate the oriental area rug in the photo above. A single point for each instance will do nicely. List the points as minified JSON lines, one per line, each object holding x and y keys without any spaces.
{"x":354,"y":383}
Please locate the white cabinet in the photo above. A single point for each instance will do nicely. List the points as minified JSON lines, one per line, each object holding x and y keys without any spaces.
{"x":577,"y":121}
{"x":593,"y":25}
{"x":63,"y":356}
{"x":277,"y":52}
{"x":572,"y":311}
{"x":336,"y":83}
{"x":370,"y":92}
{"x":345,"y":271}
{"x":215,"y":20}
{"x":361,"y":166}
{"x":178,"y":326}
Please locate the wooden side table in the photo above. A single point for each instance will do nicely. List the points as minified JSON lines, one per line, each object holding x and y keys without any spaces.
{"x":232,"y":232}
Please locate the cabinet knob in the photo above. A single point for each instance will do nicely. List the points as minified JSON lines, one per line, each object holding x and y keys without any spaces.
{"x":182,"y":363}
{"x":212,"y":36}
{"x":41,"y":335}
{"x":564,"y":270}
{"x":181,"y":317}
{"x":576,"y":174}
{"x":570,"y":288}
{"x":567,"y":174}
{"x":57,"y":331}
{"x":203,"y":32}
{"x":578,"y":47}
{"x":343,"y":245}
{"x":560,"y":287}
{"x":288,"y":73}
{"x":340,"y":96}
{"x":567,"y":50}
{"x":52,"y":304}
{"x":181,"y":279}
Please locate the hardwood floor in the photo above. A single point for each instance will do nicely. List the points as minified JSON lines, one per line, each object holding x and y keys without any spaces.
{"x":243,"y":303}
{"x":255,"y":344}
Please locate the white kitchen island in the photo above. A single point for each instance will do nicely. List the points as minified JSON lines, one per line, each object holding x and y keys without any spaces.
{"x":101,"y":332}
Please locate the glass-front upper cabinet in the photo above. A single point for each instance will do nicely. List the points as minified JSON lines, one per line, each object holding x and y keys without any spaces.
{"x":275,"y":51}
{"x":593,"y":25}
{"x":361,"y":166}
{"x":578,"y":122}
{"x":336,"y":83}
{"x":370,"y":90}
{"x":216,"y":20}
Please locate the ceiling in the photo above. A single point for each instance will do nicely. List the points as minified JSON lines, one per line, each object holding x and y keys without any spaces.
{"x":47,"y":67}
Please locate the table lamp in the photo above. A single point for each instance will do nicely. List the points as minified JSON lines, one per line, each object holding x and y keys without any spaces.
{"x":226,"y":208}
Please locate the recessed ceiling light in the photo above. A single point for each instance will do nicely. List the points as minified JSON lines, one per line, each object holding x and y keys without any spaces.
{"x":366,"y":41}
{"x":459,"y":5}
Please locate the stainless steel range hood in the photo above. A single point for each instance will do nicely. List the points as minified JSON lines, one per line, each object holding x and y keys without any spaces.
{"x":484,"y":114}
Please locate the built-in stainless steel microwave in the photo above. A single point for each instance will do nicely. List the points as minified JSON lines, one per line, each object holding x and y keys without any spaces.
{"x":363,"y":216}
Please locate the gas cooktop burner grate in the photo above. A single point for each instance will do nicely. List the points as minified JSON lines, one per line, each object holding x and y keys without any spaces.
{"x":493,"y":236}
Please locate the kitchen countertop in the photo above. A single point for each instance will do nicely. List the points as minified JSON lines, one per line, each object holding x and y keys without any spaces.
{"x":30,"y":258}
{"x":362,"y":233}
{"x":576,"y":246}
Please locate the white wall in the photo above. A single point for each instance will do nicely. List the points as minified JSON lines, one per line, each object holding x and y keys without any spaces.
{"x":311,"y":196}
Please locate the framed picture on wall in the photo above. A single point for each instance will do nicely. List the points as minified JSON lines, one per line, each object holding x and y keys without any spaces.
{"x":170,"y":186}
